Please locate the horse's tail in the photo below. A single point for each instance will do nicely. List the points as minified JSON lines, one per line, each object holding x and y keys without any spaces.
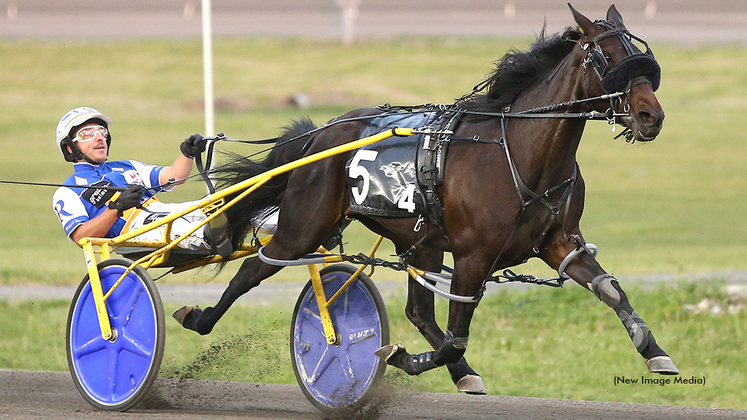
{"x":289,"y":146}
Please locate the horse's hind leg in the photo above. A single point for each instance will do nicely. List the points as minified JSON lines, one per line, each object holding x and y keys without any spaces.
{"x":588,"y":273}
{"x":309,"y":212}
{"x":420,"y":311}
{"x":251,"y":273}
{"x":452,"y":345}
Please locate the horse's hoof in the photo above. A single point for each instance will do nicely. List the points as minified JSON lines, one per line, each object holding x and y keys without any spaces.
{"x":180,"y":314}
{"x":389,"y":350}
{"x":662,"y":365}
{"x":471,"y":384}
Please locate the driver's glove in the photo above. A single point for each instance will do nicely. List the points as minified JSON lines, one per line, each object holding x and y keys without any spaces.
{"x":129,"y":198}
{"x":193,"y":146}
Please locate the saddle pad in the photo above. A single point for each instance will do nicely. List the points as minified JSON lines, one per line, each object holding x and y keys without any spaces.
{"x":382,"y":177}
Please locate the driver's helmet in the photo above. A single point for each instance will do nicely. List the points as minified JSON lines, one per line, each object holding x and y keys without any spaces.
{"x":71,"y":121}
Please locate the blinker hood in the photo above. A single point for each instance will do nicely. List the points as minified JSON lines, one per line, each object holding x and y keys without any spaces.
{"x":634,"y":65}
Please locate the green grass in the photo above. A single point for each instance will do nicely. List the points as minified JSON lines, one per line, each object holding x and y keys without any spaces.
{"x":542,"y":342}
{"x":674,"y":205}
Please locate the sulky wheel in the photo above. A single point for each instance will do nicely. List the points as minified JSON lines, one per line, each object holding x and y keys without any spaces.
{"x":115,"y":375}
{"x":342,"y":376}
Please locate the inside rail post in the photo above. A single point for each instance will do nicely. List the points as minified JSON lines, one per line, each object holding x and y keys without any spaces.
{"x":321,"y":302}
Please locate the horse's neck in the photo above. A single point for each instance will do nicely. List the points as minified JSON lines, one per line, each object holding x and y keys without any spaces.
{"x":547,"y":141}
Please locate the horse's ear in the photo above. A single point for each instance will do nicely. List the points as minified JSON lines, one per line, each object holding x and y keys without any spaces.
{"x":614,"y":16}
{"x":584,"y":23}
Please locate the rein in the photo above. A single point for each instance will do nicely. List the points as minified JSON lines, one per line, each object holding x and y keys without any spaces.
{"x":46,"y":184}
{"x":537,"y":112}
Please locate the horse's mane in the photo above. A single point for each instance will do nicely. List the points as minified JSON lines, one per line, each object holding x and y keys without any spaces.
{"x":518,"y":70}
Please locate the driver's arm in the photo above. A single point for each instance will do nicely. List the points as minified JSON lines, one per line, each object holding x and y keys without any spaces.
{"x":96,"y":227}
{"x":99,"y":226}
{"x":178,"y":171}
{"x":182,"y":166}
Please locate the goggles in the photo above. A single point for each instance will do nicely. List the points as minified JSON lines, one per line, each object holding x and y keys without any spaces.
{"x":87,"y":134}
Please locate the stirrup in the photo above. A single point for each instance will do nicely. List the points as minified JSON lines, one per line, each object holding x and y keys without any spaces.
{"x":216,"y":235}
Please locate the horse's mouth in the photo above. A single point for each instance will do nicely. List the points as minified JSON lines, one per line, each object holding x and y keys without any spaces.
{"x":638,"y":134}
{"x":643,"y":134}
{"x":640,"y":137}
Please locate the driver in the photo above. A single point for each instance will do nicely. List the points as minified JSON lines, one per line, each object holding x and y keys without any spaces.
{"x":83,"y":138}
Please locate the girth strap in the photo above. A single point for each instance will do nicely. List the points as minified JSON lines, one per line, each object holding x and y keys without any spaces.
{"x":431,"y":161}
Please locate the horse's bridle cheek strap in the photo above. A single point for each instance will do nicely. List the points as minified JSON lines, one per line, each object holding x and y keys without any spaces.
{"x":587,"y":62}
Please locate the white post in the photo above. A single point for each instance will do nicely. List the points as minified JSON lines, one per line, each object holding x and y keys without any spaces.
{"x":349,"y":10}
{"x":207,"y":63}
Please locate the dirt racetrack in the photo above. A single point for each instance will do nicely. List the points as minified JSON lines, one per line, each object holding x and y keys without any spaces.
{"x":51,"y":395}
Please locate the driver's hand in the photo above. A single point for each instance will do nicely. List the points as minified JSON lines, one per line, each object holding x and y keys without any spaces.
{"x":193,"y":146}
{"x":129,"y":198}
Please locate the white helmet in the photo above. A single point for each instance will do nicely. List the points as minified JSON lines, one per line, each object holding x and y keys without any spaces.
{"x":71,"y":121}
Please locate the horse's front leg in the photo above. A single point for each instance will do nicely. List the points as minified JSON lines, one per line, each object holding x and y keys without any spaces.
{"x":585,"y":270}
{"x":421,"y":312}
{"x":451,"y":345}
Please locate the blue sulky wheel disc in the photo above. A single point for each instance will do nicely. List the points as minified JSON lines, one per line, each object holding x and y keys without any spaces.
{"x":115,"y":375}
{"x":346,"y":375}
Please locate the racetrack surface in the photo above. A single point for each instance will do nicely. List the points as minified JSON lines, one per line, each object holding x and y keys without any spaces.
{"x":689,"y":22}
{"x":51,"y":395}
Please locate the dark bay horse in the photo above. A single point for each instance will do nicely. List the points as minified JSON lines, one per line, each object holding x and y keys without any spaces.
{"x":513,"y":193}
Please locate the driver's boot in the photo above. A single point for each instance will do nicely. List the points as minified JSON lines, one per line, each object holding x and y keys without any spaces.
{"x":217,"y":236}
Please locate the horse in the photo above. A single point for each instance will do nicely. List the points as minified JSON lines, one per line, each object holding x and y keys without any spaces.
{"x":511,"y":188}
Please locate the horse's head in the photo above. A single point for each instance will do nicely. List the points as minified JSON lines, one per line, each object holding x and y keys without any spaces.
{"x":616,"y":63}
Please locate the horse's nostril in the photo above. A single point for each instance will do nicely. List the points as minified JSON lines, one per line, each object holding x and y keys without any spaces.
{"x":648,"y":118}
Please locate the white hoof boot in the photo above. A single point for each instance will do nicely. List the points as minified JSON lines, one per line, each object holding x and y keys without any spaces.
{"x":662,"y":365}
{"x":471,"y":384}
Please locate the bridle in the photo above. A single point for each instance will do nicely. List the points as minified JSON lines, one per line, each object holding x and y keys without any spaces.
{"x":637,"y":63}
{"x":637,"y":68}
